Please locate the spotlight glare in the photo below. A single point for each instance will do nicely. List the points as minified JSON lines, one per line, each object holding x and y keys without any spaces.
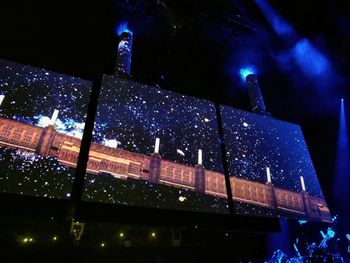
{"x":121,"y":234}
{"x":153,"y":234}
{"x":122,"y":27}
{"x":103,"y":244}
{"x":54,"y":238}
{"x":244,"y":72}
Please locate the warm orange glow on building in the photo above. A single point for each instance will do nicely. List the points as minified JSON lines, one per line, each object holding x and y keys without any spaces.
{"x":123,"y":164}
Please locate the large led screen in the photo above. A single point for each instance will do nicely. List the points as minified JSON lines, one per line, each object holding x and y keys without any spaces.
{"x":155,"y":148}
{"x":42,"y":114}
{"x":271,"y":172}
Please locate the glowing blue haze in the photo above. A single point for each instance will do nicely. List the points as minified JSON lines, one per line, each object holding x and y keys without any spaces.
{"x":244,"y":72}
{"x":280,"y":240}
{"x":123,"y":27}
{"x":309,"y":59}
{"x":277,"y":22}
{"x":301,"y":222}
{"x":312,"y":63}
{"x":341,"y":176}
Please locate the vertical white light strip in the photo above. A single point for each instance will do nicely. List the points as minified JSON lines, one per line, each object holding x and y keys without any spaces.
{"x":2,"y":97}
{"x":302,"y":183}
{"x":54,"y":117}
{"x":156,"y":146}
{"x":268,"y":174}
{"x":200,"y":160}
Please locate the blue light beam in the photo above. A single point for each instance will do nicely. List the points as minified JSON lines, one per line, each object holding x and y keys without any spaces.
{"x":342,"y":173}
{"x":280,"y":240}
{"x":309,"y":59}
{"x":276,"y":21}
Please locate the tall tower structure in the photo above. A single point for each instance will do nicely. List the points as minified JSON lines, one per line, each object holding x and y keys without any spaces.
{"x":270,"y":188}
{"x":155,"y":164}
{"x":2,"y":97}
{"x":306,"y":199}
{"x":256,"y":98}
{"x":47,"y":136}
{"x":199,"y":177}
{"x":123,"y":65}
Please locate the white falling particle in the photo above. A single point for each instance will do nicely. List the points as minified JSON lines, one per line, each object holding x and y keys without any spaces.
{"x":206,"y":120}
{"x":180,"y":152}
{"x":245,"y":124}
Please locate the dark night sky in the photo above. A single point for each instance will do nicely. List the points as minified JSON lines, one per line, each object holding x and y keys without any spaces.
{"x":31,"y":96}
{"x":135,"y":115}
{"x":200,"y":57}
{"x":254,"y":142}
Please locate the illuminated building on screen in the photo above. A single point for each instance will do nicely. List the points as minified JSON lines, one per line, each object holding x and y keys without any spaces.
{"x":124,"y":164}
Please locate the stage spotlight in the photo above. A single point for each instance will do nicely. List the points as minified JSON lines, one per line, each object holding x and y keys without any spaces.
{"x":341,"y":174}
{"x":244,"y":72}
{"x":25,"y":240}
